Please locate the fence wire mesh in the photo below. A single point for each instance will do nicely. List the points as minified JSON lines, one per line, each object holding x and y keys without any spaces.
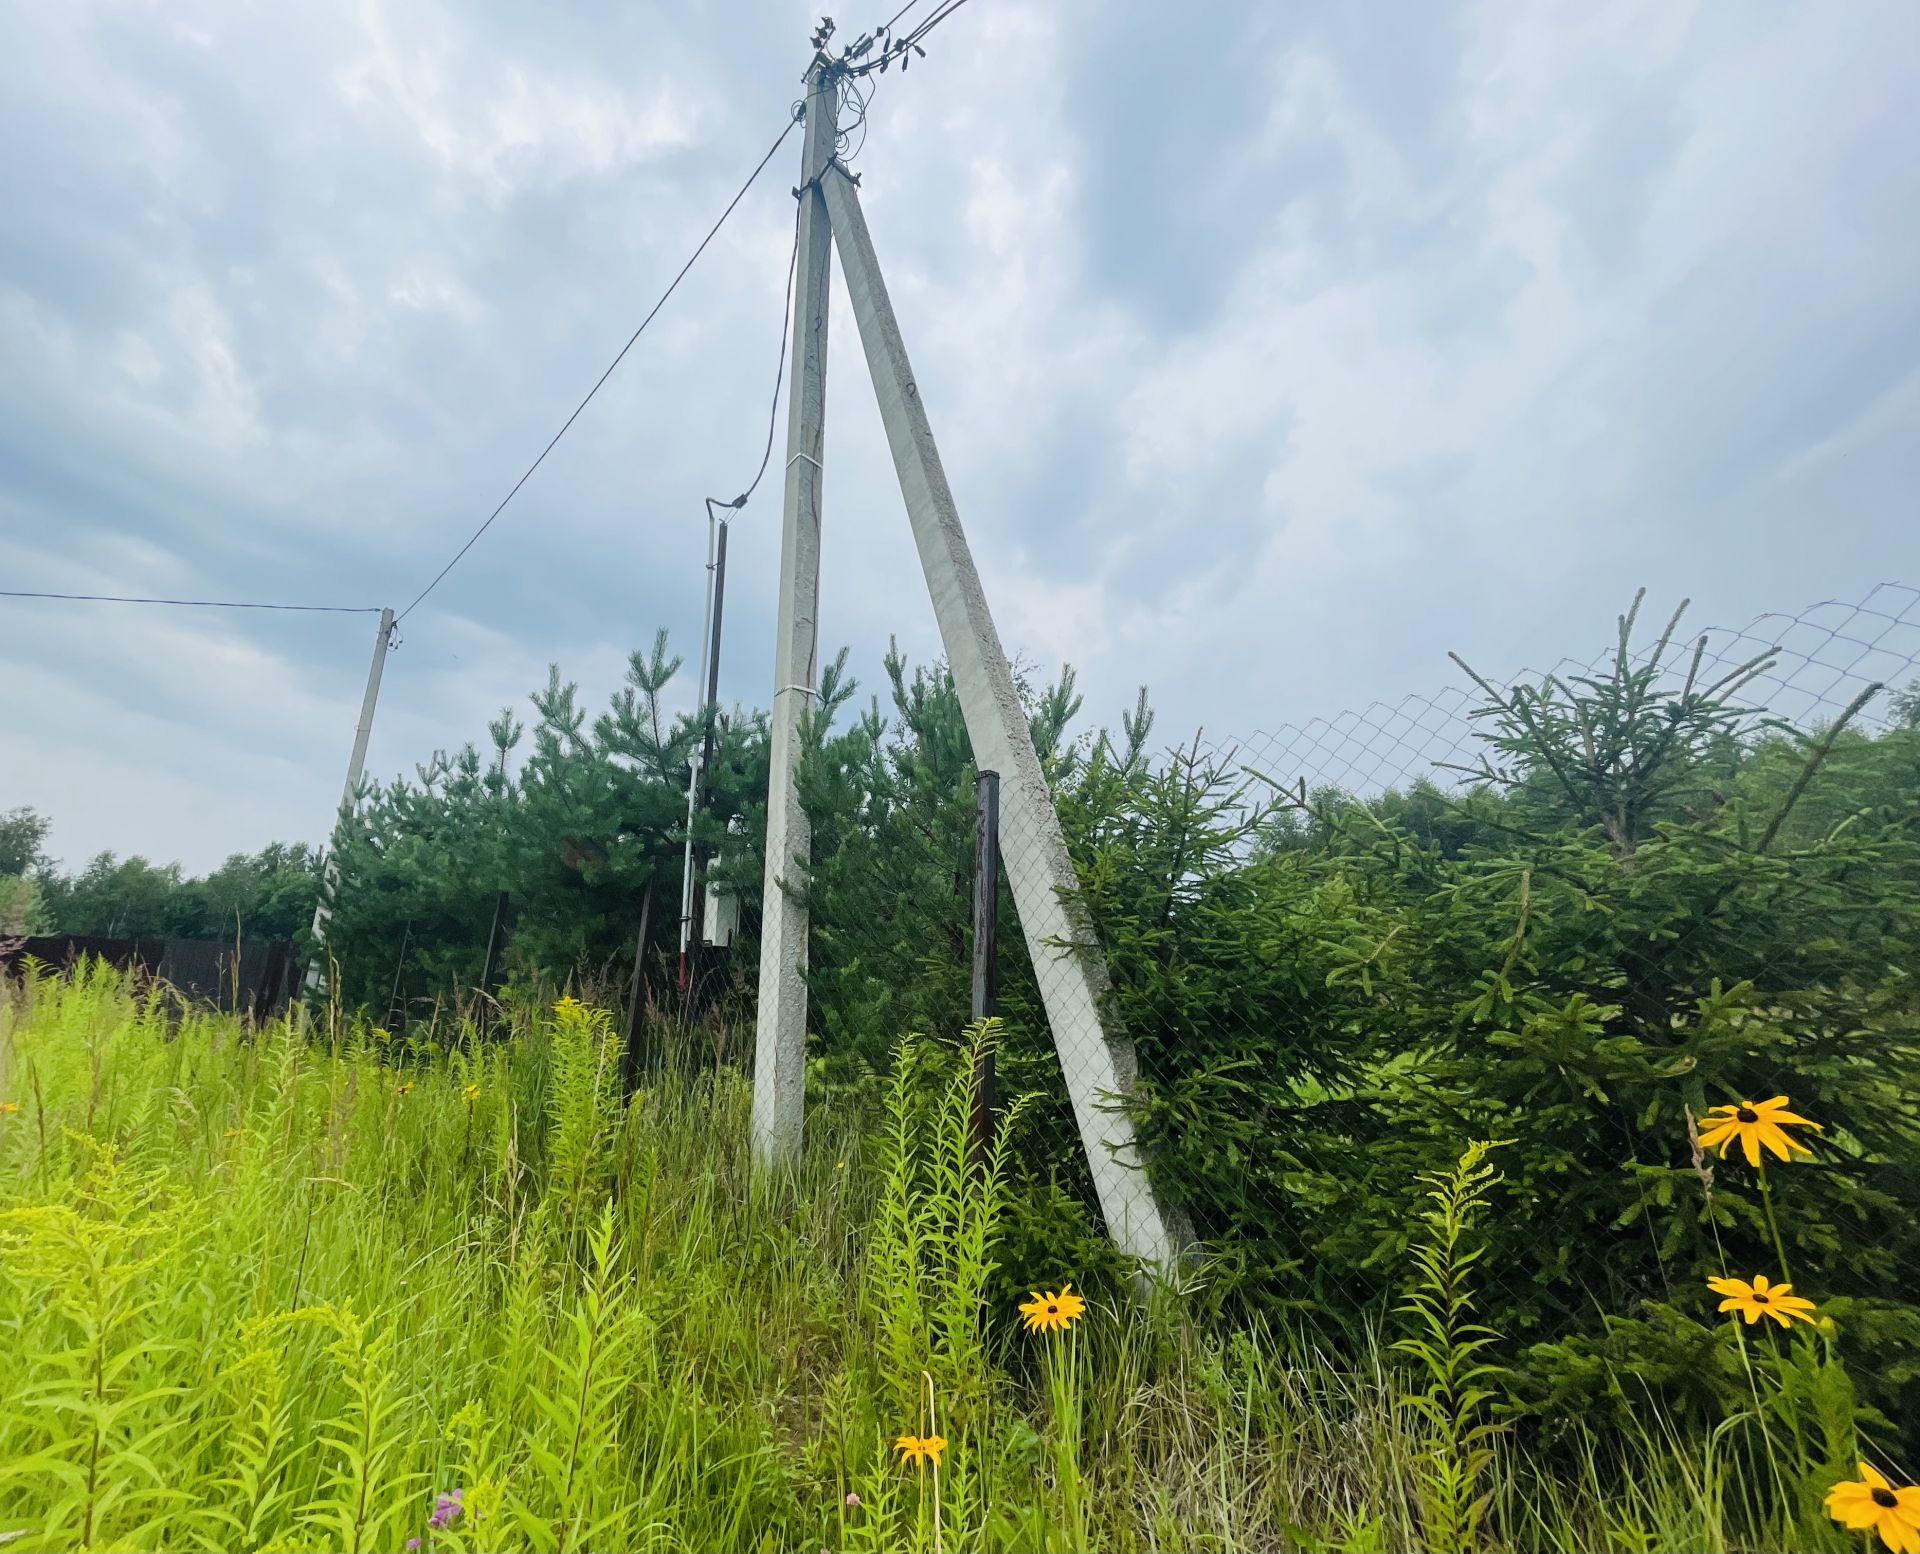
{"x":1573,"y":912}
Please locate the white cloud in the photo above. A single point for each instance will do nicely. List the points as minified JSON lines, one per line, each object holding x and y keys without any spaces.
{"x":490,"y":121}
{"x":290,"y":296}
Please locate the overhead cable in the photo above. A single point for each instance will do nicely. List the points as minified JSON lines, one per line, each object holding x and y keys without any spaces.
{"x":201,"y":604}
{"x":854,"y":61}
{"x":779,"y":375}
{"x":553,"y":442}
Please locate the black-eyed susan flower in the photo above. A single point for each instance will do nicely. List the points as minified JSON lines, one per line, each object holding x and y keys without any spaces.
{"x":471,"y":1094}
{"x":405,"y":1087}
{"x":1052,"y":1312}
{"x":1871,"y":1503}
{"x":1752,"y":1124}
{"x":1761,"y":1299}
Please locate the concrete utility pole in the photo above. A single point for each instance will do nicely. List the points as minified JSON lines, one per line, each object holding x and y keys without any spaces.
{"x":708,"y":671}
{"x":316,"y":981}
{"x":1098,"y":1062}
{"x":780,"y":1044}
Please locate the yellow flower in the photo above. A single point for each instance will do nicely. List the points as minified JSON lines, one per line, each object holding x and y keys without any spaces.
{"x":472,"y":1093}
{"x":403,"y":1087}
{"x":234,"y":1133}
{"x":8,"y":1108}
{"x":1871,"y":1502}
{"x":913,"y":1448}
{"x":1754,"y":1123}
{"x":1051,"y":1312}
{"x":839,"y":1165}
{"x":1761,"y":1299}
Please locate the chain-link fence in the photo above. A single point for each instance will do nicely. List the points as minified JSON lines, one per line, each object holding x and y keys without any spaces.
{"x":1573,"y":912}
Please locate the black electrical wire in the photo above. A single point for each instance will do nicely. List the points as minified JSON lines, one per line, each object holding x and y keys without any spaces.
{"x":899,"y":49}
{"x":671,"y":287}
{"x":203,"y":604}
{"x":934,"y":20}
{"x":851,"y":95}
{"x":779,"y":373}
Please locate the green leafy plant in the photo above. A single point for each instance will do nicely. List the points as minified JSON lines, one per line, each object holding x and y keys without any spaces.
{"x":1449,"y":1346}
{"x":578,"y":1410}
{"x":935,"y":1242}
{"x":365,"y":1486}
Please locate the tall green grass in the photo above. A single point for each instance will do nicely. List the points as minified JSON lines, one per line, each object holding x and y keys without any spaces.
{"x":264,"y":1292}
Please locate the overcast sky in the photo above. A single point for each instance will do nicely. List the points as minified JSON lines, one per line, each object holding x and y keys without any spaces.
{"x":1273,"y":350}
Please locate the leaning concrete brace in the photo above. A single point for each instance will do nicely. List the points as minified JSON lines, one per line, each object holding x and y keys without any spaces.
{"x":1098,"y":1063}
{"x":780,"y":1039}
{"x":316,"y":980}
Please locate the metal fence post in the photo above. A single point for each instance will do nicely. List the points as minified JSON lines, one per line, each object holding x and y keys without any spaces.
{"x":632,"y":1052}
{"x":986,"y":952}
{"x":496,"y":943}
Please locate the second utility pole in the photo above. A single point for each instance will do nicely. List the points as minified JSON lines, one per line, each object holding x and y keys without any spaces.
{"x":316,"y":983}
{"x":780,"y":1045}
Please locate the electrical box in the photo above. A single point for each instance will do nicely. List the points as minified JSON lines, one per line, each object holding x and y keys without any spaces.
{"x":722,"y":917}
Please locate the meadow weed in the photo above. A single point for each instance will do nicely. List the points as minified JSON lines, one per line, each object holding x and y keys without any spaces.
{"x":283,"y":1289}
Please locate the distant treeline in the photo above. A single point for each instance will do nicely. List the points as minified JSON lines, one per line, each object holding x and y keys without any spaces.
{"x":263,"y":895}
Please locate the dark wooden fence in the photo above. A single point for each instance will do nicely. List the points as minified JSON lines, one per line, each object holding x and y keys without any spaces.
{"x":256,"y":976}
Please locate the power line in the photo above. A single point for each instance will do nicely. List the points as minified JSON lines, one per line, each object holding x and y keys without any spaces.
{"x":671,"y":287}
{"x":935,"y":20}
{"x":897,"y":48}
{"x":851,"y":97}
{"x":203,"y":604}
{"x":901,"y":49}
{"x":779,"y":373}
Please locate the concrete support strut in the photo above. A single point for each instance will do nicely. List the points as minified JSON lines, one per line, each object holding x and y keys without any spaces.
{"x":316,"y":978}
{"x":1098,"y":1063}
{"x":780,"y":1040}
